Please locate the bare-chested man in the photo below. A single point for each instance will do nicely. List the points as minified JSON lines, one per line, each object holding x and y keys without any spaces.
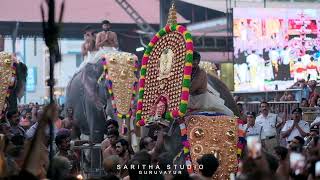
{"x":67,"y":122}
{"x":89,"y":42}
{"x":106,"y":38}
{"x":202,"y":96}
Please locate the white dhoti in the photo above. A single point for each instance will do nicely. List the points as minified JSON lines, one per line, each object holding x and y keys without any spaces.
{"x":209,"y":101}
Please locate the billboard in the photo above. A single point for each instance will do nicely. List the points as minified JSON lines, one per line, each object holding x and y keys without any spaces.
{"x":273,"y":48}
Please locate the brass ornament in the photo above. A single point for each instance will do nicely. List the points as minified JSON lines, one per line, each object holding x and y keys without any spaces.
{"x":7,"y":78}
{"x":121,"y":73}
{"x":221,"y":141}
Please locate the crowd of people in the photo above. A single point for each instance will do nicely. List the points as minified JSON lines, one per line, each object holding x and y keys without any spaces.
{"x":287,"y":146}
{"x":25,"y":147}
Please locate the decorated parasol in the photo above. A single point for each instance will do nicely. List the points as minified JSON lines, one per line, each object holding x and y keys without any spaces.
{"x":166,"y":71}
{"x":165,"y":79}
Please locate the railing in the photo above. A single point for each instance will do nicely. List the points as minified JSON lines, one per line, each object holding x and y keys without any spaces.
{"x":310,"y":113}
{"x":282,"y":107}
{"x":89,"y":167}
{"x":275,"y":106}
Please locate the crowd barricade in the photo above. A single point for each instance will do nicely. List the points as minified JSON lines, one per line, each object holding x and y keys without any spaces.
{"x":282,"y":107}
{"x":88,"y":155}
{"x":275,"y":106}
{"x":310,"y":113}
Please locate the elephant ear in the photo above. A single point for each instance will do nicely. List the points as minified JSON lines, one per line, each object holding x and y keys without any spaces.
{"x":22,"y":72}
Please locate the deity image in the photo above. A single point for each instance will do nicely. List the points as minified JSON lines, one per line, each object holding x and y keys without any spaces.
{"x":166,"y":60}
{"x":158,"y":112}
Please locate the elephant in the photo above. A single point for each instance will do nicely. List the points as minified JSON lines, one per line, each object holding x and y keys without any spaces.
{"x":91,"y":102}
{"x":16,"y":88}
{"x":88,"y":95}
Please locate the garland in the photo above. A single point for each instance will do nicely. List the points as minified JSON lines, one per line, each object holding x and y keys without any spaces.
{"x":186,"y":76}
{"x":186,"y":145}
{"x":110,"y":90}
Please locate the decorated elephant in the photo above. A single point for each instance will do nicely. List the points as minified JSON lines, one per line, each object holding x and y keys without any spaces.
{"x":13,"y":76}
{"x":103,"y":88}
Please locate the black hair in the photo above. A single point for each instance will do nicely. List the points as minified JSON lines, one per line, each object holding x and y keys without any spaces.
{"x":11,"y":113}
{"x":105,"y":22}
{"x":61,"y":135}
{"x":196,"y":56}
{"x":210,"y":165}
{"x":113,"y":132}
{"x":264,"y":102}
{"x":272,"y":163}
{"x":123,"y":142}
{"x":251,"y":113}
{"x":142,"y":157}
{"x":113,"y":122}
{"x":282,"y":152}
{"x":142,"y":144}
{"x":300,"y":139}
{"x":165,"y":159}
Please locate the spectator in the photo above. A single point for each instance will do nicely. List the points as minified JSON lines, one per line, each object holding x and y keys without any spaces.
{"x":270,"y":122}
{"x":163,"y":161}
{"x":284,"y":167}
{"x":316,"y":121}
{"x":123,"y":151}
{"x":251,"y":128}
{"x":62,"y":141}
{"x":142,"y":157}
{"x":314,"y":132}
{"x":61,"y":167}
{"x":210,"y":165}
{"x":287,"y":96}
{"x":68,"y":121}
{"x":304,"y":90}
{"x":296,"y":144}
{"x":113,"y":136}
{"x":313,"y":95}
{"x":25,"y":121}
{"x":295,"y":127}
{"x":110,"y":165}
{"x":153,"y":148}
{"x":304,"y":103}
{"x":110,"y":125}
{"x":15,"y":128}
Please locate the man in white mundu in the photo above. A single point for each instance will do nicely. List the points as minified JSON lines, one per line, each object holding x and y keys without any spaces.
{"x":202,"y":96}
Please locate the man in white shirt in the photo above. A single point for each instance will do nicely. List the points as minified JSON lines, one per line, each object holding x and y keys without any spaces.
{"x":251,"y":128}
{"x":270,"y":122}
{"x":295,"y":127}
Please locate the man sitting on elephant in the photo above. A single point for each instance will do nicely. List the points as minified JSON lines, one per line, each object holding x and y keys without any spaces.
{"x":202,"y":96}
